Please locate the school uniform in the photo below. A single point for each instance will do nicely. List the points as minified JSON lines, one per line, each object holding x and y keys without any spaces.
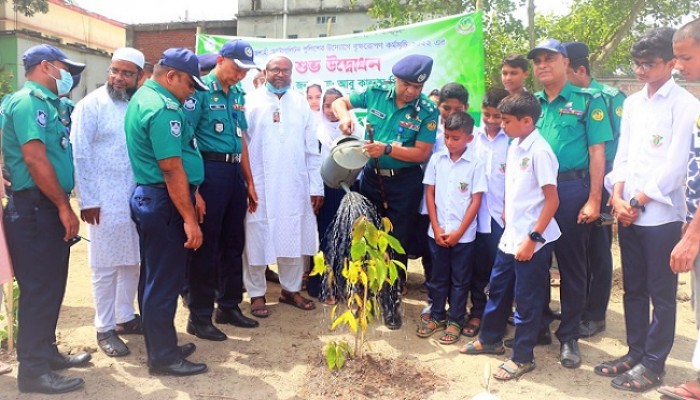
{"x":530,"y":165}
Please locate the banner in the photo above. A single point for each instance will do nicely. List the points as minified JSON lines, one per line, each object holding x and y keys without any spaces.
{"x":354,"y":62}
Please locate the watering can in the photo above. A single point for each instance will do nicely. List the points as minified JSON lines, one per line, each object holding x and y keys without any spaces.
{"x":344,"y":163}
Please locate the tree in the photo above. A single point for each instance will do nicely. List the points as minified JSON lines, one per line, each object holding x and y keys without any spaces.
{"x":29,"y":7}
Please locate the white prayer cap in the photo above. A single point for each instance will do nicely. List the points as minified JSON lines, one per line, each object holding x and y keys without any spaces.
{"x":129,"y":54}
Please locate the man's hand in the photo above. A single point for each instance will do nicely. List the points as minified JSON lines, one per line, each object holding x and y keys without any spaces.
{"x":252,"y":198}
{"x":316,"y":203}
{"x":200,"y":207}
{"x":589,"y":212}
{"x":347,"y":126}
{"x":525,"y":251}
{"x":69,"y":221}
{"x":194,"y":235}
{"x":374,"y":149}
{"x":625,"y":213}
{"x":450,"y":238}
{"x":685,"y":252}
{"x":91,"y":215}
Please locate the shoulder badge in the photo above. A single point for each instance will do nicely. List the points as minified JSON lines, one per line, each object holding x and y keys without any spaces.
{"x":190,"y":104}
{"x":597,"y":114}
{"x":698,"y":123}
{"x":41,"y":118}
{"x":432,"y":125}
{"x":618,"y":111}
{"x":175,"y":128}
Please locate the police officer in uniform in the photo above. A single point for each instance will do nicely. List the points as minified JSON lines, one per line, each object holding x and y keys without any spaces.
{"x":167,"y":168}
{"x":39,"y":221}
{"x":575,"y":123}
{"x":599,"y":254}
{"x":216,"y":270}
{"x":405,"y":121}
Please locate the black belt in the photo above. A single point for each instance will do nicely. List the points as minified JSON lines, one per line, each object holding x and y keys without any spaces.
{"x":193,"y":188}
{"x":392,"y":172}
{"x":572,"y":175}
{"x":233,"y":158}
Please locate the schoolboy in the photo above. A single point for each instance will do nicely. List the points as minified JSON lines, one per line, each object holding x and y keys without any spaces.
{"x":491,"y":146}
{"x":455,"y":182}
{"x":521,"y":268}
{"x":514,"y":70}
{"x":648,"y":197}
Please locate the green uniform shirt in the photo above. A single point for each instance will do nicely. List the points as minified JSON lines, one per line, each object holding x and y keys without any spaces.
{"x":614,"y":98}
{"x":575,"y":120}
{"x":218,"y":118}
{"x":415,"y":121}
{"x":156,"y":129}
{"x":32,"y":113}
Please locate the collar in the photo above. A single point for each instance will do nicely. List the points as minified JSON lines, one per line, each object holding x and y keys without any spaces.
{"x":481,"y":131}
{"x":565,"y":93}
{"x":43,"y":89}
{"x":466,"y":156}
{"x":160,"y":89}
{"x":529,"y":140}
{"x":664,"y":90}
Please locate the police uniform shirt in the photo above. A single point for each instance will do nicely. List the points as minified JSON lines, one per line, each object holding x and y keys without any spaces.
{"x":575,"y":120}
{"x":218,"y":118}
{"x":455,"y":182}
{"x":32,"y":113}
{"x":614,"y":100}
{"x":416,"y":121}
{"x":530,"y":166}
{"x":156,"y":129}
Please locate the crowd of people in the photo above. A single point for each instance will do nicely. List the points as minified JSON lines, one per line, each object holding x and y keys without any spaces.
{"x":191,"y":188}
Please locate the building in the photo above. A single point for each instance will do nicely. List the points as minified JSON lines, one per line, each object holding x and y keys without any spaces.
{"x":304,"y":18}
{"x":83,"y":35}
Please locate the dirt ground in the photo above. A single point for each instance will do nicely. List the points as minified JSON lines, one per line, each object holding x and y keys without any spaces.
{"x":283,"y":359}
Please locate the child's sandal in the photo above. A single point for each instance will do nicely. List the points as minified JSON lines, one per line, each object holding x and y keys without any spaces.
{"x":451,"y":337}
{"x":428,"y":328}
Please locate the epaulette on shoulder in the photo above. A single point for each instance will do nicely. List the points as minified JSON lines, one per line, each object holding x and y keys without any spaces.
{"x":169,"y":104}
{"x":594,"y":93}
{"x":381,"y":87}
{"x":38,"y":94}
{"x":610,"y":91}
{"x":428,"y":105}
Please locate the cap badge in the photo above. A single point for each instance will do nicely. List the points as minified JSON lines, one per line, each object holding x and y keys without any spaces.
{"x":248,"y":51}
{"x":421,"y":78}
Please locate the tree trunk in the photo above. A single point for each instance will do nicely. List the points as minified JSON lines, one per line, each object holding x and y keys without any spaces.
{"x":600,"y":58}
{"x":531,"y":22}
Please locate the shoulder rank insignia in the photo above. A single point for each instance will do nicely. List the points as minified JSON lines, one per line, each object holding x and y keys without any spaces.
{"x":38,"y":94}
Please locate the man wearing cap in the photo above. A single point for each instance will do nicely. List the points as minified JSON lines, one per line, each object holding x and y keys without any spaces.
{"x":104,"y":183}
{"x":600,"y":261}
{"x":404,"y":123}
{"x":216,"y":270}
{"x":38,"y":218}
{"x":167,"y":168}
{"x":575,"y":123}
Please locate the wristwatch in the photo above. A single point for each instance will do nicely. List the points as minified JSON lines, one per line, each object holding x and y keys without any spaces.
{"x":635,"y":204}
{"x":387,"y":149}
{"x":537,"y":237}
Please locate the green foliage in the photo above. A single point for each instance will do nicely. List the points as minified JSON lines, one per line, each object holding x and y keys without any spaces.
{"x":6,"y":86}
{"x":30,"y":7}
{"x":4,"y":334}
{"x":366,"y":272}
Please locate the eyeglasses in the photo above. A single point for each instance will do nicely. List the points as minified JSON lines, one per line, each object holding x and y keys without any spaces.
{"x":122,"y":73}
{"x":283,"y":71}
{"x":645,"y":66}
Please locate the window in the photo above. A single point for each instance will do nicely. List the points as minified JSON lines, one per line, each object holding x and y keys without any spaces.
{"x":323,"y":19}
{"x":255,"y":5}
{"x":292,"y":36}
{"x":357,"y":31}
{"x":322,"y":35}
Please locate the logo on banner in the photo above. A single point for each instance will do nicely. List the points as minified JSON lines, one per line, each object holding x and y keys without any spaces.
{"x":466,"y":26}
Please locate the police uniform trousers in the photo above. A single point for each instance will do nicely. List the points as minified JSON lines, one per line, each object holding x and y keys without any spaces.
{"x":216,"y":268}
{"x":527,"y":282}
{"x":40,"y":258}
{"x":486,"y":250}
{"x":572,"y":255}
{"x":163,"y":264}
{"x":645,"y":252}
{"x":402,"y":192}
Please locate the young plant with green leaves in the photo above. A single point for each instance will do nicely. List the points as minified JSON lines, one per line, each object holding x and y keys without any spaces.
{"x":369,"y":268}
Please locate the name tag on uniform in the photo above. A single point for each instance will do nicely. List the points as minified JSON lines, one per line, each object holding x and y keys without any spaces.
{"x":377,"y":113}
{"x":217,"y":106}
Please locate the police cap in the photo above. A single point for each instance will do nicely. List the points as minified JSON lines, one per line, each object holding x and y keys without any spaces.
{"x":186,"y":61}
{"x":414,"y":68}
{"x":552,"y":45}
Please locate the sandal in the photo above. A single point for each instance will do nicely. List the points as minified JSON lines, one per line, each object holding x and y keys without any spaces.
{"x":615,"y":367}
{"x":687,"y":391}
{"x":428,"y":328}
{"x":470,"y":348}
{"x":514,"y":373}
{"x":111,"y":344}
{"x":638,"y":379}
{"x":258,"y":307}
{"x":451,"y":337}
{"x":132,"y":327}
{"x":472,"y":329}
{"x":297,"y":300}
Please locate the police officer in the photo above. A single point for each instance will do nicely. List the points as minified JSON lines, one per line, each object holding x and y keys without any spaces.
{"x":574,"y":122}
{"x":404,"y":121}
{"x":599,"y":255}
{"x":167,"y":168}
{"x":39,"y":221}
{"x":216,"y":270}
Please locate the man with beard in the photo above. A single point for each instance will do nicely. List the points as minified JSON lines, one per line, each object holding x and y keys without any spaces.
{"x":104,"y":183}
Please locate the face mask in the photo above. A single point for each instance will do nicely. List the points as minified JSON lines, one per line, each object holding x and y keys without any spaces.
{"x":274,"y":90}
{"x":64,"y":83}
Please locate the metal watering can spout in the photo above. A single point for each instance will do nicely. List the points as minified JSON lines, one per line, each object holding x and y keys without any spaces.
{"x":344,"y":163}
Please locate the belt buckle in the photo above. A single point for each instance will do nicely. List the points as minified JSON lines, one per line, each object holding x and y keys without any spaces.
{"x":233,"y":158}
{"x":387,"y":172}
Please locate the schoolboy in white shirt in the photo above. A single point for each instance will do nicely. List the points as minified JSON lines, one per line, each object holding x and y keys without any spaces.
{"x":521,"y":268}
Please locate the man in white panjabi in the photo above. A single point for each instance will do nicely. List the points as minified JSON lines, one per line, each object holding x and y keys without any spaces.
{"x":286,"y":167}
{"x":104,"y":182}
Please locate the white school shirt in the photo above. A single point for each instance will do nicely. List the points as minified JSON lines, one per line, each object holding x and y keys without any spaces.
{"x":493,"y":153}
{"x":652,"y":157}
{"x":438,"y":146}
{"x":455,"y":182}
{"x":531,"y":164}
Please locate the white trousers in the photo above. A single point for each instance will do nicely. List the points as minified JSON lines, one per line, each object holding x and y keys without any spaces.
{"x":114,"y":290}
{"x":290,"y":269}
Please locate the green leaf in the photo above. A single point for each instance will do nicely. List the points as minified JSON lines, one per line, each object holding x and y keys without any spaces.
{"x":358,"y":250}
{"x":387,"y":226}
{"x":372,"y":234}
{"x":358,"y":228}
{"x":331,"y":355}
{"x":319,"y":265}
{"x":339,"y":359}
{"x":399,"y":264}
{"x":393,"y":274}
{"x":395,"y":244}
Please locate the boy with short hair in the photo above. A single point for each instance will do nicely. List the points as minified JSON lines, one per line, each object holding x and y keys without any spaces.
{"x":514,"y":70}
{"x":455,"y":182}
{"x":521,"y":268}
{"x":491,"y":145}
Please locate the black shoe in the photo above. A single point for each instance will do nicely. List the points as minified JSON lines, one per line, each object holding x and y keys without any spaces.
{"x":179,"y":368}
{"x":111,"y":344}
{"x":553,"y":314}
{"x":591,"y":328}
{"x":390,"y":298}
{"x":205,"y":330}
{"x":271,"y":276}
{"x":132,"y":327}
{"x":61,"y":361}
{"x":235,"y":317}
{"x":569,"y":354}
{"x":49,"y":383}
{"x":543,"y":339}
{"x":187,"y":349}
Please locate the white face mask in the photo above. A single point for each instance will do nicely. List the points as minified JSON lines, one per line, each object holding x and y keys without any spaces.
{"x":64,"y":83}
